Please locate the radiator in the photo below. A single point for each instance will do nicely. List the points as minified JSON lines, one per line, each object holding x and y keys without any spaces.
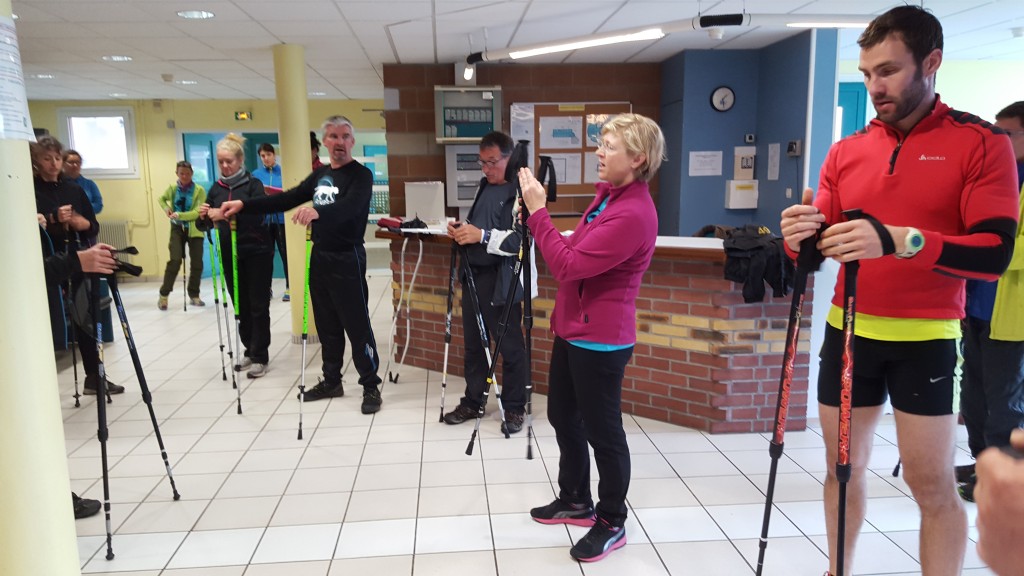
{"x":115,"y":233}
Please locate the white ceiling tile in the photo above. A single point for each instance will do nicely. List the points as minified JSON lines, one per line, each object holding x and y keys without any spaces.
{"x":292,"y":10}
{"x":388,"y":12}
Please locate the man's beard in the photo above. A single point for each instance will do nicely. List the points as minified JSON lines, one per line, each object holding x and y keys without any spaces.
{"x":908,"y":101}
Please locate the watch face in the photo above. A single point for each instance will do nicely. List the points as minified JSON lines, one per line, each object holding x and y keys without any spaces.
{"x":722,"y":98}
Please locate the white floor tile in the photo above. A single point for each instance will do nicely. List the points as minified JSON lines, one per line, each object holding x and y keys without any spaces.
{"x":326,"y":508}
{"x":452,"y":501}
{"x":475,"y":563}
{"x":741,"y":521}
{"x":537,"y":562}
{"x":217,"y":548}
{"x":137,"y":552}
{"x":297,"y":543}
{"x":512,"y":531}
{"x":709,"y":558}
{"x":378,"y":538}
{"x":453,"y":534}
{"x":785,"y":556}
{"x":683,"y":524}
{"x":716,"y":490}
{"x":379,"y":565}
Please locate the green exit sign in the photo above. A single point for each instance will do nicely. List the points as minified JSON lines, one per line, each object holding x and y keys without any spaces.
{"x":243,"y":115}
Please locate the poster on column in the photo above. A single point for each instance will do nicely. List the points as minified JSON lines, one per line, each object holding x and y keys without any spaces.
{"x":15,"y":123}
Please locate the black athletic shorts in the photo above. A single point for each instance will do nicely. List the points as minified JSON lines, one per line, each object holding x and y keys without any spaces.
{"x":918,"y":376}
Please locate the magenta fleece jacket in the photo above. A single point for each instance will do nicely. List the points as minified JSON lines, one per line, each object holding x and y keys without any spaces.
{"x":600,"y":266}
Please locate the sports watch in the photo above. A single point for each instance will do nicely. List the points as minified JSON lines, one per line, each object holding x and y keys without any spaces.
{"x":912,"y":243}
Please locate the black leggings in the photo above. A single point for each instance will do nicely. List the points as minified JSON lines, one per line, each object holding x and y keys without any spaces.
{"x":585,"y":406}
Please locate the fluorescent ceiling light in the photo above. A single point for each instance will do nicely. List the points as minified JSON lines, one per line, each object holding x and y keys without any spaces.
{"x":196,"y":14}
{"x":186,"y":82}
{"x":649,"y":34}
{"x":117,"y":95}
{"x":42,"y":76}
{"x":318,"y":93}
{"x":117,"y":58}
{"x":827,"y":24}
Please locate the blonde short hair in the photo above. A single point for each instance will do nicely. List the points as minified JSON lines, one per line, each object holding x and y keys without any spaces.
{"x":641,"y":135}
{"x":232,"y":143}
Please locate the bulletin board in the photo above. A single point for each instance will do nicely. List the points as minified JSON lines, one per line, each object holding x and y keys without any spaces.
{"x":569,"y":133}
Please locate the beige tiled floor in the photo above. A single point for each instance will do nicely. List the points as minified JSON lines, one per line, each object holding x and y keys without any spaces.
{"x":395,"y":493}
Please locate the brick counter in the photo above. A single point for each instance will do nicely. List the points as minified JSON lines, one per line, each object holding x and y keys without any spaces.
{"x":703,"y":358}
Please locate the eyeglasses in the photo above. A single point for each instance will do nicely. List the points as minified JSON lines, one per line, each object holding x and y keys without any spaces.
{"x":73,"y":162}
{"x":489,"y":163}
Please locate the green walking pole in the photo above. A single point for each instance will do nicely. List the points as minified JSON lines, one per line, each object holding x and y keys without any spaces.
{"x":234,"y":286}
{"x":216,"y":305}
{"x":224,"y":298}
{"x":305,"y":324}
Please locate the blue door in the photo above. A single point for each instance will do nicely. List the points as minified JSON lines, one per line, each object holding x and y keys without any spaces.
{"x":853,"y":99}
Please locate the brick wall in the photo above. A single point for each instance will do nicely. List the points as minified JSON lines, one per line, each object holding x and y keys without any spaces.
{"x":703,"y":358}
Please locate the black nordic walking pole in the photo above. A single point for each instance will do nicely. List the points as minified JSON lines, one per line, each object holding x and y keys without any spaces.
{"x":147,"y":396}
{"x":234,"y":286}
{"x":71,"y":333}
{"x":448,"y":326}
{"x":184,"y":267}
{"x":843,"y":467}
{"x":807,"y":261}
{"x":469,"y":284}
{"x":216,"y":305}
{"x":305,"y":324}
{"x":896,"y":470}
{"x":101,"y":407}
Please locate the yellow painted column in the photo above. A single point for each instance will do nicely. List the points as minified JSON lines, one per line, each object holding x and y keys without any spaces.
{"x":37,"y":527}
{"x":293,"y":128}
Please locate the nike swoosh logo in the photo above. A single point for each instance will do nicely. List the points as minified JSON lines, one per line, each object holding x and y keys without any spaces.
{"x":934,"y":380}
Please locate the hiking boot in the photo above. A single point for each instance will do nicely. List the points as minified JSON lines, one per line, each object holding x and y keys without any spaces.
{"x":966,"y":489}
{"x":287,"y":297}
{"x":92,"y":383}
{"x":84,"y":507}
{"x":371,"y":400}
{"x":197,"y":301}
{"x":323,"y":390}
{"x":257,"y":371}
{"x":561,"y":512}
{"x":602,"y":539}
{"x":460,"y":415}
{"x":513,"y":422}
{"x":964,"y":473}
{"x":162,"y":303}
{"x":245,"y":363}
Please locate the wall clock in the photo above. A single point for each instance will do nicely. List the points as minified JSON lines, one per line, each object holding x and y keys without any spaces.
{"x":722,"y":98}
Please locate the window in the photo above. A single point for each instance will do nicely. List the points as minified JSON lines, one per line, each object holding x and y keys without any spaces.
{"x":105,"y":137}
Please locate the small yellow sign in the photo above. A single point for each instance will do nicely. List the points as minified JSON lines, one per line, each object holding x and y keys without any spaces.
{"x":243,"y":115}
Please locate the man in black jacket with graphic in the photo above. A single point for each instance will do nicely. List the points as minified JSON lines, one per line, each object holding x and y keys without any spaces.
{"x":490,"y":238}
{"x":341,"y":195}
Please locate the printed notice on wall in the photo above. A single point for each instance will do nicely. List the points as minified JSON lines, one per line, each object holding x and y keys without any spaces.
{"x":561,"y":132}
{"x":706,"y":163}
{"x":774,"y":153}
{"x":15,"y":123}
{"x":568,"y":167}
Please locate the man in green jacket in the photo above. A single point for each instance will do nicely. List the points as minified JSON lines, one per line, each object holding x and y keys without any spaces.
{"x":181,"y":202}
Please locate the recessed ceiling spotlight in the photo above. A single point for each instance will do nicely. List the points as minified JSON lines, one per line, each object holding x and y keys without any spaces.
{"x":14,"y":16}
{"x":1017,"y":32}
{"x":41,"y":76}
{"x":196,"y":14}
{"x":117,"y":58}
{"x":318,"y":93}
{"x":186,"y":82}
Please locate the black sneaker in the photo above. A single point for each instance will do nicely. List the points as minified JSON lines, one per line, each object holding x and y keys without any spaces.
{"x":513,"y":422}
{"x":460,"y":415}
{"x":966,"y":489}
{"x":371,"y":400}
{"x":602,"y":539}
{"x":92,"y":383}
{"x":561,"y":512}
{"x":323,"y":390}
{"x":84,"y":507}
{"x":964,"y":473}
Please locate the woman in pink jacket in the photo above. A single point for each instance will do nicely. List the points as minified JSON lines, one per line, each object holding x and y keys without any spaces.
{"x":599,"y":269}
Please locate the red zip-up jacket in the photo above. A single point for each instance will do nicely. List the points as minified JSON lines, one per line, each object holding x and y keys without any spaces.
{"x":600,"y":266}
{"x":953,"y":177}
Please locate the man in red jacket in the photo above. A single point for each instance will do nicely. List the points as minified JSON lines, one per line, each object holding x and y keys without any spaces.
{"x":938,"y":188}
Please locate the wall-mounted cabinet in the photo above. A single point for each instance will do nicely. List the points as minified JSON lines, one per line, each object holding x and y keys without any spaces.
{"x":463,"y":114}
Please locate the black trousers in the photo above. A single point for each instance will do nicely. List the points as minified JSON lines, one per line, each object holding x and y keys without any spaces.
{"x":338,"y":293}
{"x":253,"y":307}
{"x":992,"y":388}
{"x":513,"y":348}
{"x":277,"y":230}
{"x":585,"y":406}
{"x":195,"y":254}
